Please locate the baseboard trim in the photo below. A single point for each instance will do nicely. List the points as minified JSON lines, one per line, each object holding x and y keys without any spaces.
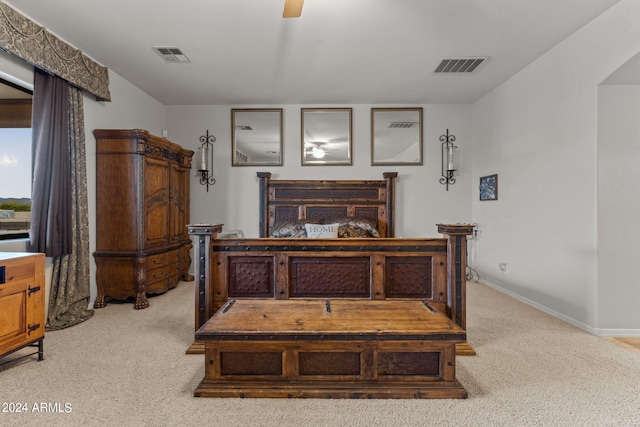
{"x":600,"y":332}
{"x":620,"y":333}
{"x":541,"y":307}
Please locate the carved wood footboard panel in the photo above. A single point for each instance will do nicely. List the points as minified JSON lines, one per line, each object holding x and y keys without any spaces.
{"x":329,"y":268}
{"x":430,"y":270}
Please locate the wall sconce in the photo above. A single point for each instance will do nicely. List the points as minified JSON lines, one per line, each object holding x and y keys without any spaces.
{"x":449,"y":159}
{"x":205,"y":159}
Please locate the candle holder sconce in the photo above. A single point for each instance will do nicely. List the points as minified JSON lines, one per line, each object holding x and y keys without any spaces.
{"x":449,"y":159}
{"x":204,"y":161}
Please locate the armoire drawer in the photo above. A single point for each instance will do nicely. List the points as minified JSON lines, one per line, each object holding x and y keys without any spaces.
{"x":160,"y":260}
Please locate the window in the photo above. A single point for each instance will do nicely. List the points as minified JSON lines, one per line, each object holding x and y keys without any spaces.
{"x":15,"y":160}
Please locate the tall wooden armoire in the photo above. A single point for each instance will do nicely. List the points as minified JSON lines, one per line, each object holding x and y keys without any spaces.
{"x":142,"y":191}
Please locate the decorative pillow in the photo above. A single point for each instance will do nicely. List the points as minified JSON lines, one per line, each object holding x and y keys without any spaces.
{"x":293,"y":228}
{"x":357,"y":227}
{"x":321,"y":231}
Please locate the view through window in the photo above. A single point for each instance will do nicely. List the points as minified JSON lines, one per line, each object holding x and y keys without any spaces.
{"x":15,"y":161}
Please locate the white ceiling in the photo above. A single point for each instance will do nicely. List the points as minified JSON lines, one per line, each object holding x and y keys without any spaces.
{"x":337,"y":52}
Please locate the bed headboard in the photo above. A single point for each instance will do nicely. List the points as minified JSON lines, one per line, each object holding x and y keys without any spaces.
{"x":282,"y":200}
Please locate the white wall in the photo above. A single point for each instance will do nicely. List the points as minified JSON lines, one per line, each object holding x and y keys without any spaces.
{"x":538,"y":131}
{"x":421,"y":200}
{"x":618,"y":209}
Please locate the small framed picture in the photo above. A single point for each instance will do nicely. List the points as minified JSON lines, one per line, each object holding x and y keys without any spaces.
{"x":489,"y":187}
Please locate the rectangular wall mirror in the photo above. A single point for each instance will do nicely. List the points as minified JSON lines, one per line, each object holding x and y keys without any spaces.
{"x":256,"y":137}
{"x":326,"y":136}
{"x":396,"y":136}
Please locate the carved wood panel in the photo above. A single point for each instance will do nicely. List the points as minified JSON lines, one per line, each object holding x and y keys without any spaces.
{"x":326,"y":212}
{"x":329,"y":363}
{"x":408,"y":277}
{"x":409,"y":363}
{"x":322,"y":277}
{"x":315,"y":192}
{"x":251,"y":277}
{"x":362,"y":212}
{"x":156,"y":202}
{"x":251,"y":363}
{"x":285,"y":213}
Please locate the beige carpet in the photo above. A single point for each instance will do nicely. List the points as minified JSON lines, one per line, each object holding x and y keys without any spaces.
{"x":128,"y":368}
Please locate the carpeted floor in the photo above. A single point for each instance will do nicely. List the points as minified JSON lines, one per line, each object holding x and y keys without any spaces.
{"x":129,"y":368}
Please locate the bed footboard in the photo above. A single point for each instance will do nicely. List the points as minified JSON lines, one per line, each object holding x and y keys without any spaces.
{"x":430,"y":270}
{"x":330,"y":268}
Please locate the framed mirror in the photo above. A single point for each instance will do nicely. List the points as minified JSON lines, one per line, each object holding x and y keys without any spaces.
{"x":326,"y":136}
{"x":396,"y":136}
{"x":256,"y":137}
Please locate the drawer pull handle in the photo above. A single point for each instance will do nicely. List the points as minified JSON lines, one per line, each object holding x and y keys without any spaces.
{"x":32,"y":328}
{"x":156,"y":261}
{"x":32,"y":290}
{"x":158,"y":276}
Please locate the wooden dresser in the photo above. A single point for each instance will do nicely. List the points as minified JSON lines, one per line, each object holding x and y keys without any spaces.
{"x":21,"y":301}
{"x":142,"y":193}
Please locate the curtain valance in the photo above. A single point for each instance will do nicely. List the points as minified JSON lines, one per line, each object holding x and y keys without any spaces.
{"x":33,"y":43}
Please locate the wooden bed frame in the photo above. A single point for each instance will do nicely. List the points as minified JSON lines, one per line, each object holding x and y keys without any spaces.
{"x":387,"y":268}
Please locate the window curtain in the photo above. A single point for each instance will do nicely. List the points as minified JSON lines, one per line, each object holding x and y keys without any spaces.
{"x":59,"y":212}
{"x":59,"y":220}
{"x":51,"y":168}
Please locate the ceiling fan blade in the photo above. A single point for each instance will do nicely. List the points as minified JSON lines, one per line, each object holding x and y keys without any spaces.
{"x":292,"y":8}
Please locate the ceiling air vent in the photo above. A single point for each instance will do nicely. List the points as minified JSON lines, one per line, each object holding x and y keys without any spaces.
{"x":401,"y":125}
{"x":172,"y":55}
{"x":459,"y":65}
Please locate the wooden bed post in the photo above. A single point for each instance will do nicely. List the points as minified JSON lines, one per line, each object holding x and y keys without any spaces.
{"x":204,"y":233}
{"x":391,"y":194}
{"x":457,"y":269}
{"x":457,"y":276}
{"x":264,"y":209}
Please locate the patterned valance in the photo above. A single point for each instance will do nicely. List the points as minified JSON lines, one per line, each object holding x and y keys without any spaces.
{"x":33,"y":43}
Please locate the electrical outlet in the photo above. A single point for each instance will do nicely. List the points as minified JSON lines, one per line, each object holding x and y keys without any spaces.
{"x":503,"y":267}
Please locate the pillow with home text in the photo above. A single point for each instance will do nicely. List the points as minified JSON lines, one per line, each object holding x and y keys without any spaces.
{"x":321,"y":231}
{"x":293,"y":228}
